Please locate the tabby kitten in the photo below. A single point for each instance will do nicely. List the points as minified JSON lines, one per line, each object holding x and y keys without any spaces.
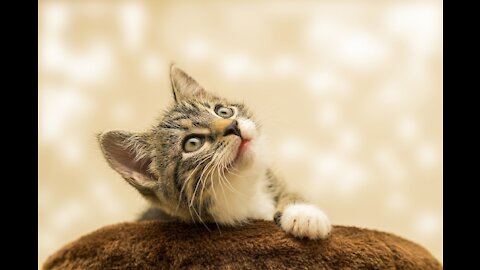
{"x":205,"y":161}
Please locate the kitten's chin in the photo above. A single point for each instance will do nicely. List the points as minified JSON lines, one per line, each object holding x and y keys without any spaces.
{"x":245,"y":161}
{"x":245,"y":155}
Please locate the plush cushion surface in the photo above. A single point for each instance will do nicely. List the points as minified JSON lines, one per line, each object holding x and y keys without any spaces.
{"x":256,"y":245}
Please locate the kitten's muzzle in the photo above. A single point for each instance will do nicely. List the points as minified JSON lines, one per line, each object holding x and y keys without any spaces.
{"x":232,"y":129}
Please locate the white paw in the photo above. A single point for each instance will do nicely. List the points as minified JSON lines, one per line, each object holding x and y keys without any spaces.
{"x":305,"y":220}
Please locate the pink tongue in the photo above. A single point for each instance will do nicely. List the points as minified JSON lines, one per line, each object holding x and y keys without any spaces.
{"x":244,"y":144}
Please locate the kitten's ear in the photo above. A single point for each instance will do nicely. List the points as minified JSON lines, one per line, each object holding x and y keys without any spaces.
{"x":129,"y":154}
{"x":183,"y":85}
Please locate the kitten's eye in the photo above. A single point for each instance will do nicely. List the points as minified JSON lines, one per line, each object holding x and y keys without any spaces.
{"x":193,"y":144}
{"x":224,"y":112}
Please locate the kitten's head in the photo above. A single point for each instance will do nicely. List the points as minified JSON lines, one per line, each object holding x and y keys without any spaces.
{"x":201,"y":142}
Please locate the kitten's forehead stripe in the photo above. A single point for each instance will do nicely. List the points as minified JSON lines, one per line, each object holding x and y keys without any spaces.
{"x":167,"y":125}
{"x":178,"y":118}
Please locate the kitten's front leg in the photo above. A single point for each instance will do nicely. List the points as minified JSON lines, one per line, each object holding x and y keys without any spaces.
{"x":301,"y":219}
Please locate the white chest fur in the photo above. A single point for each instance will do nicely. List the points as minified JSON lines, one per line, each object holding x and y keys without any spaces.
{"x":243,"y":198}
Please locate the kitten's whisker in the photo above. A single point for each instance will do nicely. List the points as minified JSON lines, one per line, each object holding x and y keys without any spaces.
{"x":191,"y":215}
{"x":205,"y":169}
{"x":201,"y":200}
{"x":234,"y":169}
{"x":213,"y":190}
{"x":218,"y":227}
{"x":223,"y":177}
{"x":201,"y":220}
{"x":201,"y":179}
{"x":206,"y":178}
{"x":224,"y":197}
{"x":192,"y":207}
{"x":228,"y":184}
{"x":204,"y":181}
{"x":230,"y":172}
{"x":228,"y":168}
{"x":194,"y":170}
{"x":202,"y":160}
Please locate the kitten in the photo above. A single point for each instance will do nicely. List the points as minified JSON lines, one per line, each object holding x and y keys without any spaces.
{"x":205,"y":161}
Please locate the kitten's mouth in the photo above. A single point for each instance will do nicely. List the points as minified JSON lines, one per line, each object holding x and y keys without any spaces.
{"x":244,"y":144}
{"x":243,"y":147}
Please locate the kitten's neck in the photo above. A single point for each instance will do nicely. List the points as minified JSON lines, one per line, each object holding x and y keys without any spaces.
{"x":244,"y":197}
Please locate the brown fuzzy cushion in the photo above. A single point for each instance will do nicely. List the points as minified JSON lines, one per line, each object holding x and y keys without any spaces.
{"x":258,"y":245}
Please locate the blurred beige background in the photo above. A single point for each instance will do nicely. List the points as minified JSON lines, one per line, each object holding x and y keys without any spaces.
{"x":349,"y":92}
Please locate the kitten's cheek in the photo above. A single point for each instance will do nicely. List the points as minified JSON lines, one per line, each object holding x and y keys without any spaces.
{"x":247,"y":155}
{"x":246,"y":159}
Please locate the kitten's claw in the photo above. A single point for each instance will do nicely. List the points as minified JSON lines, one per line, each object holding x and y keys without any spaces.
{"x":305,"y":220}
